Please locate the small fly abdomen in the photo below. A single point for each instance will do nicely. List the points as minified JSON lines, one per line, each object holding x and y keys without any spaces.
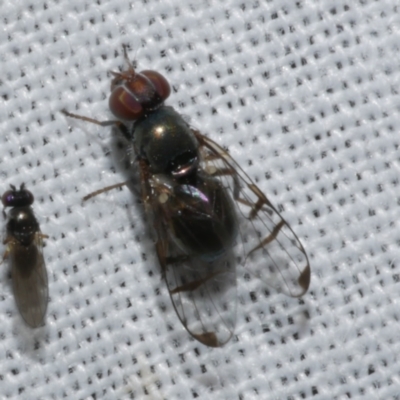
{"x":29,"y":282}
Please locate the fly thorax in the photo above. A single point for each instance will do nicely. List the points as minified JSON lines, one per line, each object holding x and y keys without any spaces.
{"x":166,"y":142}
{"x":22,"y":225}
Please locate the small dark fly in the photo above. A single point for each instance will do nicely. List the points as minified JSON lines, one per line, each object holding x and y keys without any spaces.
{"x":24,"y":249}
{"x":207,"y":214}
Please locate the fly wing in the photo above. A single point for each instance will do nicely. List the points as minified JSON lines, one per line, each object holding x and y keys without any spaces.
{"x":203,"y":292}
{"x":29,"y":281}
{"x":267,"y":245}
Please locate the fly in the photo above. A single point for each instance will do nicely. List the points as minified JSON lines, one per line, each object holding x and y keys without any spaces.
{"x":24,"y":249}
{"x":207,"y":213}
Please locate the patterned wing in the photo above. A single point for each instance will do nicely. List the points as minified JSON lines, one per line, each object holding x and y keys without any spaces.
{"x":268,"y":247}
{"x":203,"y":292}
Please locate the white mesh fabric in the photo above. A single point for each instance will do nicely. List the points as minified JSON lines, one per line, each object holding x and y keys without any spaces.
{"x":306,"y":97}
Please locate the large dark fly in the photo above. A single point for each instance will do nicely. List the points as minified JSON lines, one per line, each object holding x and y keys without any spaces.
{"x":207,"y":213}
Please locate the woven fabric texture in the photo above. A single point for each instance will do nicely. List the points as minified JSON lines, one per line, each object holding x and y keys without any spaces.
{"x":305,"y":96}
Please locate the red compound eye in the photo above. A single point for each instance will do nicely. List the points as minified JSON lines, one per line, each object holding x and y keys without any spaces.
{"x":138,"y":94}
{"x":160,"y":84}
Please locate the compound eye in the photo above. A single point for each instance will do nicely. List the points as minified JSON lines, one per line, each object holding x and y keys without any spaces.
{"x":161,"y":85}
{"x":17,"y":198}
{"x":124,"y":105}
{"x":143,"y":92}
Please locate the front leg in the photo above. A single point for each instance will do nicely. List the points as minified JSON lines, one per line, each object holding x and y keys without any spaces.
{"x":117,"y":124}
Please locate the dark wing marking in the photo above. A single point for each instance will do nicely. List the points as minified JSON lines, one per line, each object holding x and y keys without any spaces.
{"x":29,"y":281}
{"x":203,"y":293}
{"x":269,"y":248}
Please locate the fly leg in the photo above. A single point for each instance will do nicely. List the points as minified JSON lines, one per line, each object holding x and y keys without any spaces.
{"x":255,"y":206}
{"x":117,"y":124}
{"x":39,"y":236}
{"x":8,"y":241}
{"x":105,"y":189}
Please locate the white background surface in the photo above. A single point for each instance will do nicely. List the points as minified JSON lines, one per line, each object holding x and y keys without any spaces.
{"x":306,"y":97}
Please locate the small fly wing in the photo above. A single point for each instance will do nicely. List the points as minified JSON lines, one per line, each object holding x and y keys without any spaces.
{"x":268,"y":246}
{"x":203,"y":292}
{"x":29,"y":281}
